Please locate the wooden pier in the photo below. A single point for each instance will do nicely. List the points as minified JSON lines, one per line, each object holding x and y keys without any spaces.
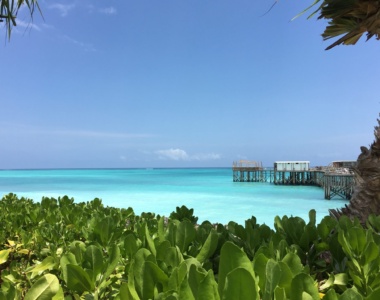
{"x":333,"y":181}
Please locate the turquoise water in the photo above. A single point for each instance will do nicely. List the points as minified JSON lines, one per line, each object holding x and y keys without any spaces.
{"x":211,"y":192}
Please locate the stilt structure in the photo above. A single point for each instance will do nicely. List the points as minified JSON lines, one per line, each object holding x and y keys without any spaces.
{"x":335,"y":181}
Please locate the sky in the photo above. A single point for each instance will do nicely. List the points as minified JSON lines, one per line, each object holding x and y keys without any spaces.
{"x":203,"y":83}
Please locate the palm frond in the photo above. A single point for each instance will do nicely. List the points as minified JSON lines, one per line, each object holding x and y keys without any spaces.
{"x":350,"y":18}
{"x":9,"y":10}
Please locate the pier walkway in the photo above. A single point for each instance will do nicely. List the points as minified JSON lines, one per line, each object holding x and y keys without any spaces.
{"x":335,"y":182}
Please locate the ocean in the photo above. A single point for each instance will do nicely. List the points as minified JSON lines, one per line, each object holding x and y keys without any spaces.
{"x":209,"y":191}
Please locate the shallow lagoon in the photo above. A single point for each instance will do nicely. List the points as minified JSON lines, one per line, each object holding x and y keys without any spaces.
{"x":211,"y":192}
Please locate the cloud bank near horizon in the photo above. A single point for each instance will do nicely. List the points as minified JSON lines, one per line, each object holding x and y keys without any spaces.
{"x":182,"y":155}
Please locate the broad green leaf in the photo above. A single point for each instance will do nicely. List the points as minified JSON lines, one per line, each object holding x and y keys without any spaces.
{"x":44,"y":288}
{"x":240,"y":285}
{"x":196,"y":275}
{"x":231,"y":257}
{"x":138,"y":269}
{"x":161,"y":229}
{"x":149,"y":241}
{"x":286,"y":277}
{"x":125,"y":293}
{"x":208,"y":247}
{"x":208,"y":288}
{"x":294,"y":263}
{"x":112,"y":262}
{"x":303,"y":287}
{"x":78,"y":280}
{"x":331,"y":295}
{"x":185,"y":292}
{"x":375,"y":295}
{"x":131,"y":284}
{"x":273,"y":275}
{"x":4,"y":255}
{"x":94,"y":260}
{"x":185,"y":235}
{"x":259,"y":264}
{"x":162,"y":248}
{"x":370,"y":253}
{"x":177,"y":276}
{"x":279,"y":293}
{"x":351,"y":294}
{"x":60,"y":295}
{"x":173,"y":257}
{"x":47,"y":263}
{"x":151,"y":275}
{"x":130,"y":245}
{"x":78,"y":248}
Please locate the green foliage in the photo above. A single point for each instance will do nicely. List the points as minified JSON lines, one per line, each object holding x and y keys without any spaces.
{"x":60,"y":249}
{"x":9,"y":10}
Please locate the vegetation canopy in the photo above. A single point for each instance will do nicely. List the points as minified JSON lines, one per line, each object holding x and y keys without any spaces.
{"x":350,"y":18}
{"x":61,"y":250}
{"x":10,"y":8}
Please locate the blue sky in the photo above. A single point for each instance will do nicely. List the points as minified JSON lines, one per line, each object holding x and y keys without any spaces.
{"x":125,"y":84}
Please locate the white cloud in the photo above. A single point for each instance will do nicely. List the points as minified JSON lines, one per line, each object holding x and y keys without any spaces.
{"x":84,"y":46}
{"x":173,"y":154}
{"x":179,"y":154}
{"x":108,"y":10}
{"x":28,"y":25}
{"x":62,"y":8}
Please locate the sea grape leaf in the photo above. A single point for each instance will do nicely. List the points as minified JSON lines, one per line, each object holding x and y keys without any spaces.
{"x":78,"y":280}
{"x":162,"y":248}
{"x":196,"y":275}
{"x":4,"y":255}
{"x":330,"y":295}
{"x":208,"y":288}
{"x":294,"y":263}
{"x":113,"y":260}
{"x":375,"y":295}
{"x":177,"y":276}
{"x":371,"y":252}
{"x":259,"y":264}
{"x":185,"y":235}
{"x":231,"y":257}
{"x":273,"y":276}
{"x":279,"y":293}
{"x":171,"y":232}
{"x":351,"y":294}
{"x":78,"y":248}
{"x":126,"y":294}
{"x":353,"y":240}
{"x":185,"y":292}
{"x":240,"y":285}
{"x":208,"y":247}
{"x":303,"y":288}
{"x":140,"y":257}
{"x":161,"y":229}
{"x":150,"y":243}
{"x":130,"y":245}
{"x":173,"y":257}
{"x":151,"y":275}
{"x":60,"y":295}
{"x":325,"y":227}
{"x":94,"y":260}
{"x":48,"y":263}
{"x":45,"y":288}
{"x":131,"y":284}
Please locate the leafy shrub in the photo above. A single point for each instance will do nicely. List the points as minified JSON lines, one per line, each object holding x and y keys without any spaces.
{"x":60,"y":249}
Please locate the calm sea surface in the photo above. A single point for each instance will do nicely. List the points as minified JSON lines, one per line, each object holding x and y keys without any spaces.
{"x":211,"y":192}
